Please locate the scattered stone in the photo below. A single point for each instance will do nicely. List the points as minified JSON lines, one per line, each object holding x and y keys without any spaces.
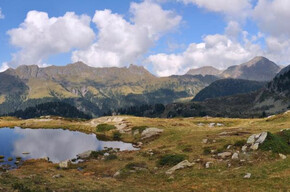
{"x":262,"y":137}
{"x":106,"y":154}
{"x":255,"y":146}
{"x":64,"y":164}
{"x":248,"y":176}
{"x":219,"y":124}
{"x":214,"y":141}
{"x":204,"y":141}
{"x":229,"y":165}
{"x":200,"y":124}
{"x":251,"y":139}
{"x":180,"y":165}
{"x":211,"y":124}
{"x":244,"y":148}
{"x":117,"y":174}
{"x":212,"y":151}
{"x":224,"y":155}
{"x":282,"y":156}
{"x":57,"y":176}
{"x":235,"y":156}
{"x":151,"y":132}
{"x":207,"y":165}
{"x":229,"y":146}
{"x":84,"y":155}
{"x":138,"y":145}
{"x":171,"y":177}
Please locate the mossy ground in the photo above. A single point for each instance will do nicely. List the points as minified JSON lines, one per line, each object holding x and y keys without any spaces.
{"x":181,"y":136}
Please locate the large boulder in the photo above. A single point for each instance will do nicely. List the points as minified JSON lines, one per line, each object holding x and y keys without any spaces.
{"x":150,"y":132}
{"x":180,"y":165}
{"x":255,"y":140}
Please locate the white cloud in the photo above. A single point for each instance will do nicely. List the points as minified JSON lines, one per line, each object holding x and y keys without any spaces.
{"x":4,"y":67}
{"x":220,"y":51}
{"x":273,"y":17}
{"x":231,"y":8}
{"x":1,"y":14}
{"x":39,"y":36}
{"x":122,"y":42}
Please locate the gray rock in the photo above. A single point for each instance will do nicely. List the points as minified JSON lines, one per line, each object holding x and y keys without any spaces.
{"x":84,"y":155}
{"x":180,"y":165}
{"x":205,"y":141}
{"x":255,"y":146}
{"x":57,"y":176}
{"x":251,"y":139}
{"x":248,"y":176}
{"x":244,"y":148}
{"x":106,"y":154}
{"x":224,"y":155}
{"x":117,"y":174}
{"x":262,"y":137}
{"x":219,"y":124}
{"x":211,"y":124}
{"x":64,"y":164}
{"x":235,"y":156}
{"x":282,"y":156}
{"x":150,"y":132}
{"x":207,"y":165}
{"x":229,"y":146}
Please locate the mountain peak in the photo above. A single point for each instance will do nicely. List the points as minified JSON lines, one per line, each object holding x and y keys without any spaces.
{"x":206,"y":70}
{"x":257,"y":69}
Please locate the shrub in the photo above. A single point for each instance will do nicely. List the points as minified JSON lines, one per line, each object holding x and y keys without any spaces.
{"x":96,"y":154}
{"x":240,"y":143}
{"x":206,"y":151}
{"x":171,"y":159}
{"x":105,"y":127}
{"x":275,"y":143}
{"x":117,"y":135}
{"x":111,"y":157}
{"x":133,"y":165}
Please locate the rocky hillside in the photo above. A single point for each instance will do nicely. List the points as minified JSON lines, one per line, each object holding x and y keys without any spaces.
{"x":272,"y":99}
{"x":257,"y":69}
{"x":228,"y":87}
{"x":92,"y":90}
{"x":207,"y":70}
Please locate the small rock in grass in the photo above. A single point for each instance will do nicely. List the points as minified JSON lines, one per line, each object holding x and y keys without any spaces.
{"x":229,"y":146}
{"x":235,"y":156}
{"x":205,"y":141}
{"x":262,"y":137}
{"x":248,"y":176}
{"x":251,"y":139}
{"x":224,"y":154}
{"x":64,"y":164}
{"x":57,"y":176}
{"x":244,"y":148}
{"x":207,"y":165}
{"x":255,"y":146}
{"x":180,"y":165}
{"x":282,"y":156}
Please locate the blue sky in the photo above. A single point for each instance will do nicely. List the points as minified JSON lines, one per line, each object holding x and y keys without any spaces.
{"x":166,"y":36}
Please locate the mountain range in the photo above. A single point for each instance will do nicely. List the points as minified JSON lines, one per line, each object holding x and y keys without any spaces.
{"x":93,"y":90}
{"x":273,"y":98}
{"x":96,"y":91}
{"x":257,"y":69}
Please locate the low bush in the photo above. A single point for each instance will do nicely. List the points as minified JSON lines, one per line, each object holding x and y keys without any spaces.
{"x":105,"y":127}
{"x":117,"y":135}
{"x":171,"y":159}
{"x":276,"y":143}
{"x":111,"y":157}
{"x":240,"y":143}
{"x":206,"y":151}
{"x":133,"y":165}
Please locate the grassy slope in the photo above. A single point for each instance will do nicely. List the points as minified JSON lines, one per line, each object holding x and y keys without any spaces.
{"x":269,"y":173}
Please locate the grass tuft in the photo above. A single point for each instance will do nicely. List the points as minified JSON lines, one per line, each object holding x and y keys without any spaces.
{"x":105,"y":127}
{"x":171,"y":159}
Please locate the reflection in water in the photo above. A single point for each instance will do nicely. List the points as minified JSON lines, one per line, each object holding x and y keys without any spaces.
{"x":57,"y":144}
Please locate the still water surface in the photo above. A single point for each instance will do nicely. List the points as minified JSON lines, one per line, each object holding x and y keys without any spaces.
{"x":57,"y":144}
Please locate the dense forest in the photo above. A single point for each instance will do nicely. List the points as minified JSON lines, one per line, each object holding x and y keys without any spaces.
{"x":51,"y":108}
